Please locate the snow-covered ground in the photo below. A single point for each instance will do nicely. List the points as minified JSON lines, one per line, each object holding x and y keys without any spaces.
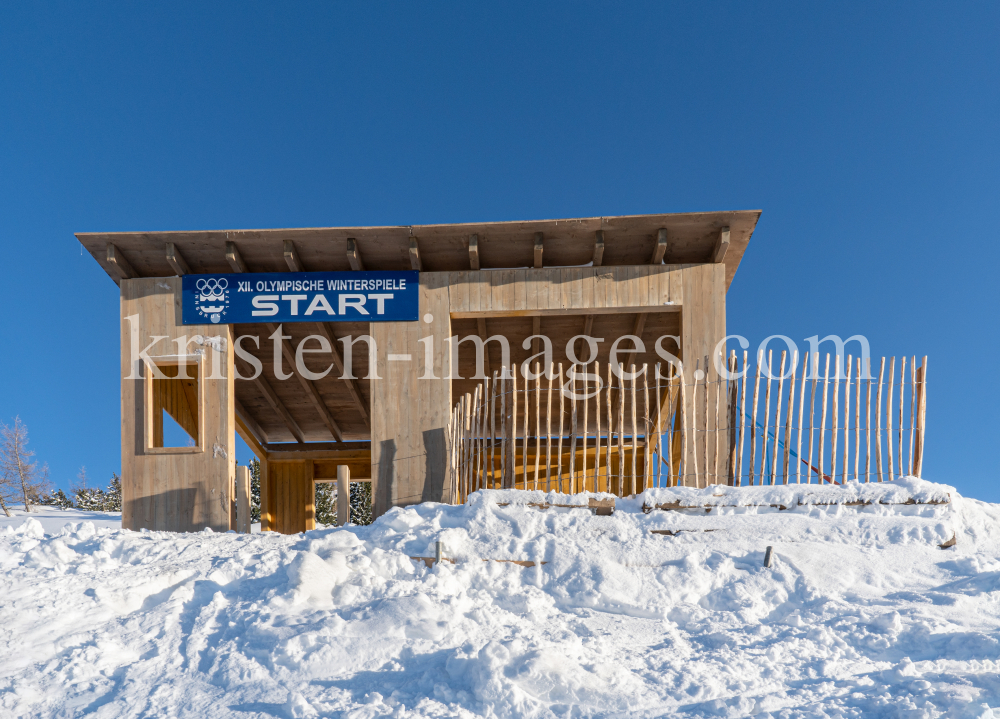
{"x":53,"y":519}
{"x":861,"y":613}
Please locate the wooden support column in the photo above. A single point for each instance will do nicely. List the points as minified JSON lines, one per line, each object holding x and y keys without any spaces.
{"x":412,"y":403}
{"x":242,"y":500}
{"x":703,"y":324}
{"x":343,"y":494}
{"x":180,"y":489}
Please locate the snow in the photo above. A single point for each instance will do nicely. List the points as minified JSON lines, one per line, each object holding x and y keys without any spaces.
{"x":861,"y":614}
{"x":54,"y":519}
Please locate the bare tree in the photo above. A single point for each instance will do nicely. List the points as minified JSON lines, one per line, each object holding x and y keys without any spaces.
{"x":7,"y":490}
{"x":16,"y":466}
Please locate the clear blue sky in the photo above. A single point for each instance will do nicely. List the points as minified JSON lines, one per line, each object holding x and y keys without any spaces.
{"x":867,"y":133}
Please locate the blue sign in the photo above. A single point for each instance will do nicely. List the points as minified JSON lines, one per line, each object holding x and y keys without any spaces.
{"x":301,"y":297}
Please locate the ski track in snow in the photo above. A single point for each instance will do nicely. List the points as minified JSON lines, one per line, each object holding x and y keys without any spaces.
{"x":860,"y":615}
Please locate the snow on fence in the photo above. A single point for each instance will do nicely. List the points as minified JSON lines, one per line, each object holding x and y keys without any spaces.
{"x":590,"y":428}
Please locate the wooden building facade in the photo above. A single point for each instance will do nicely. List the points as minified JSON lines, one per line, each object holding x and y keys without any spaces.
{"x":655,"y":277}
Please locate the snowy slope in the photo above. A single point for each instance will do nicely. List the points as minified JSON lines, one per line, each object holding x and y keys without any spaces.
{"x":860,"y":615}
{"x":54,"y":519}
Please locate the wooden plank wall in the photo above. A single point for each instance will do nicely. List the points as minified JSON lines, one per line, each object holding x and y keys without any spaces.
{"x":410,"y":415}
{"x":555,"y":291}
{"x":291,"y":496}
{"x":180,"y":489}
{"x":703,"y":324}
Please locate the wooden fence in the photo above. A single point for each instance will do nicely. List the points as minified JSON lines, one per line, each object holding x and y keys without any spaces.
{"x":588,"y":428}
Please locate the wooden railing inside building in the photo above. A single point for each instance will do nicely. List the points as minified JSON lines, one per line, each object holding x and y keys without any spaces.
{"x":589,"y":428}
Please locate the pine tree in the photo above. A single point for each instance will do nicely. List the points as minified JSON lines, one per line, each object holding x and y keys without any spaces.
{"x":326,"y":503}
{"x":361,"y":503}
{"x":113,"y":495}
{"x":254,"y":490}
{"x":56,"y":498}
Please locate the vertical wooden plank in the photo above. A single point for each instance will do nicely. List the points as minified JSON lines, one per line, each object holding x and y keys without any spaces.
{"x":753,"y":419}
{"x":742,"y":419}
{"x":586,"y":406}
{"x":607,"y":464}
{"x":682,"y":465}
{"x":633,"y":479}
{"x":888,"y":417}
{"x":868,"y":422}
{"x":913,"y":397}
{"x":597,"y":427}
{"x":812,"y":419}
{"x":310,"y":494}
{"x":538,"y":422}
{"x":802,"y":406}
{"x":767,"y":419}
{"x":621,"y":430}
{"x":834,"y":419}
{"x":878,"y":420}
{"x":493,"y":432}
{"x":648,"y":455}
{"x":857,"y":420}
{"x":788,"y":419}
{"x":513,"y":425}
{"x":562,"y":412}
{"x":548,"y":432}
{"x":777,"y":417}
{"x":822,"y":425}
{"x":902,"y":400}
{"x":266,"y":522}
{"x":572,"y":429}
{"x":921,"y":419}
{"x":659,"y":428}
{"x":847,"y":415}
{"x":504,"y":434}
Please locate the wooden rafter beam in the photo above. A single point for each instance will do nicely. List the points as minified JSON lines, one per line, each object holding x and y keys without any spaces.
{"x":272,"y":399}
{"x":311,"y":391}
{"x":539,"y":248}
{"x":474,"y":251}
{"x":352,"y":384}
{"x":234,"y":258}
{"x":259,"y":434}
{"x":121,"y":264}
{"x":415,"y":262}
{"x":176,"y":260}
{"x":291,"y":256}
{"x":598,"y":248}
{"x":721,"y":245}
{"x":354,"y":255}
{"x":250,"y":431}
{"x":661,"y":247}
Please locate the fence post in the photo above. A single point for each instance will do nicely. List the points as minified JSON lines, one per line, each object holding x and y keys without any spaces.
{"x":343,"y":495}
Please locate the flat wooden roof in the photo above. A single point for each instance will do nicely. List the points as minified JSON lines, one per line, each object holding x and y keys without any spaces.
{"x":628,"y":240}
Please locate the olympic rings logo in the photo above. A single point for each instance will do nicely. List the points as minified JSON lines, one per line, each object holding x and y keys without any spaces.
{"x":214,"y":286}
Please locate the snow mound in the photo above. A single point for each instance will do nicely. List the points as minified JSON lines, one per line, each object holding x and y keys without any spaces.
{"x":647,"y":612}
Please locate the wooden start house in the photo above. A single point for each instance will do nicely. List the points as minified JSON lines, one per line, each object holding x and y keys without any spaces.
{"x":363,"y":384}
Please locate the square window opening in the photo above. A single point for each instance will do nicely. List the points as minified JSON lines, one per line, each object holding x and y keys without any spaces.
{"x":174,"y":393}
